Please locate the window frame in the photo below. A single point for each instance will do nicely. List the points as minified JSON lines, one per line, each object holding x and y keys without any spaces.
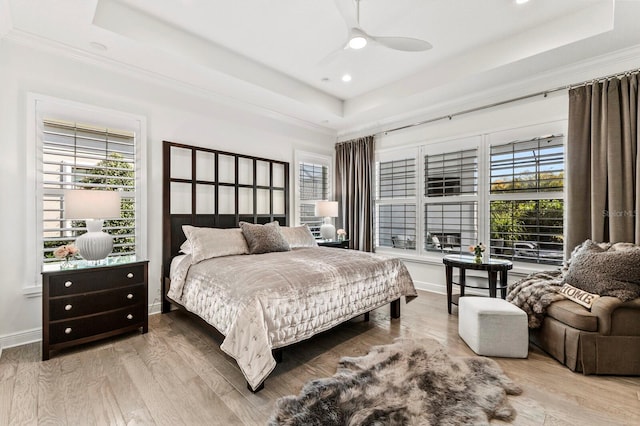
{"x":484,"y":142}
{"x":316,"y":159}
{"x":40,"y":107}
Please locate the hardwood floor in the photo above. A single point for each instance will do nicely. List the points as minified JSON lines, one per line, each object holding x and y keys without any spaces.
{"x":177,"y":374}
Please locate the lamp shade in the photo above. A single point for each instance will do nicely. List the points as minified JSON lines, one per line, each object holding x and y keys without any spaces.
{"x":89,"y":204}
{"x":327,"y":208}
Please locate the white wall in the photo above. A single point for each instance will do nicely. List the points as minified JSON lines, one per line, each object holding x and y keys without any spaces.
{"x":428,"y":271}
{"x":173,"y":113}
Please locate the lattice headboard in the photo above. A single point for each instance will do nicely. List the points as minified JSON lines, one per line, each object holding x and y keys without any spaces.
{"x":206,"y":187}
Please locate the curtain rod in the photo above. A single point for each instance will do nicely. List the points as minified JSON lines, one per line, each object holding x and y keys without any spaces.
{"x":519,"y":98}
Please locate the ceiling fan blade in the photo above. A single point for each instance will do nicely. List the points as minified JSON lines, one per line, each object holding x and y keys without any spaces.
{"x":332,"y":55}
{"x":347,"y":10}
{"x":405,"y":44}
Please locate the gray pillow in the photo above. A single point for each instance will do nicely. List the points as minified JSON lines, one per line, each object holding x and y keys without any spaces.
{"x":299,"y":236}
{"x":611,"y":271}
{"x":264,"y":238}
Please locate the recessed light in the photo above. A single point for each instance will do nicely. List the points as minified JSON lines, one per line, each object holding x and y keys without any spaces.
{"x":98,"y":46}
{"x":346,"y":78}
{"x":521,"y":1}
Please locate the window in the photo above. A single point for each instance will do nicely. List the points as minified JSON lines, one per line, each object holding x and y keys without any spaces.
{"x":313,"y":185}
{"x":451,"y":207}
{"x":74,"y":145}
{"x":80,"y":156}
{"x":396,"y":206}
{"x":504,"y":191}
{"x":526,"y":207}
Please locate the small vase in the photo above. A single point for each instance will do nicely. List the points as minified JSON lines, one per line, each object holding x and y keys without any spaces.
{"x":477,"y":259}
{"x":67,"y":264}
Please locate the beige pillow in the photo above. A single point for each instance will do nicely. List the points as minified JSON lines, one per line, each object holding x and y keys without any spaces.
{"x":264,"y":238}
{"x":214,"y":242}
{"x":581,"y":297}
{"x":298,"y":236}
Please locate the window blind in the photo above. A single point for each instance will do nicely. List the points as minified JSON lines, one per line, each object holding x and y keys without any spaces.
{"x":80,"y":156}
{"x":451,"y":173}
{"x":451,"y":227}
{"x":314,"y":186}
{"x":397,"y":179}
{"x":397,"y":226}
{"x":526,"y":207}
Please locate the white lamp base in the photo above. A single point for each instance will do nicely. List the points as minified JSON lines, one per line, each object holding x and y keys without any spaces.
{"x":95,"y":244}
{"x":328,"y":231}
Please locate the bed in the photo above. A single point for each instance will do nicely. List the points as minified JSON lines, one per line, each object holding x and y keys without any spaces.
{"x":260,"y":301}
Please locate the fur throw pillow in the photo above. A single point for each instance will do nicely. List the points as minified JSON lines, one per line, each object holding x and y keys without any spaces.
{"x":612,"y":270}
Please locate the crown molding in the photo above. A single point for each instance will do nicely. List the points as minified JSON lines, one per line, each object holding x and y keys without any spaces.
{"x":29,"y":40}
{"x":573,"y":74}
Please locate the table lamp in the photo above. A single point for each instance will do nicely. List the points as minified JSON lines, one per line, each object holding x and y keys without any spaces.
{"x":327,"y":209}
{"x":93,"y":206}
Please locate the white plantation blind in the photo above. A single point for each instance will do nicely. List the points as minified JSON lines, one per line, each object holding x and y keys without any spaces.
{"x":451,"y":173}
{"x":396,"y":207}
{"x":80,"y":156}
{"x":526,"y":207}
{"x":314,"y":186}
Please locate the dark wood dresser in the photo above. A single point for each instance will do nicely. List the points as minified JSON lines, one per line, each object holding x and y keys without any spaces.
{"x":93,"y":302}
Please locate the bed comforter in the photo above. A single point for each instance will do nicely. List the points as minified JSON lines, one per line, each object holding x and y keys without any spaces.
{"x":265,"y":301}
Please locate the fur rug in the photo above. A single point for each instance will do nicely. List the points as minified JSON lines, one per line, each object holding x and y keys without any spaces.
{"x":534,"y":293}
{"x":405,"y":383}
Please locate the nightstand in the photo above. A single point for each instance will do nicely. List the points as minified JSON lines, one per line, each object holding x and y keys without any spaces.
{"x":337,"y":244}
{"x":92,"y":302}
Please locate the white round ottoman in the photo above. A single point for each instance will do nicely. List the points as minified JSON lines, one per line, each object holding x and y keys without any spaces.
{"x":493,"y":327}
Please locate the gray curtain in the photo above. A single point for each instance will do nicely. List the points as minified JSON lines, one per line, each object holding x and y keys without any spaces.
{"x":603,"y":162}
{"x":355,"y":165}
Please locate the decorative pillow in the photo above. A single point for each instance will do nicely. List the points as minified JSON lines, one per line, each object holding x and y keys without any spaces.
{"x":581,"y":297}
{"x":606,"y":272}
{"x":264,"y":238}
{"x":298,"y":236}
{"x":185,"y":247}
{"x":214,"y":242}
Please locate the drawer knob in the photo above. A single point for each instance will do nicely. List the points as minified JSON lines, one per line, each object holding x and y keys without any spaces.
{"x":129,"y":296}
{"x":129,"y":316}
{"x":67,"y":330}
{"x":68,"y":284}
{"x":68,"y":307}
{"x":130,"y":275}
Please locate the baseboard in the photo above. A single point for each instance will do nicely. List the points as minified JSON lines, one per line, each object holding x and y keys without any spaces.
{"x":21,"y":338}
{"x":430,"y":287}
{"x":442,"y":289}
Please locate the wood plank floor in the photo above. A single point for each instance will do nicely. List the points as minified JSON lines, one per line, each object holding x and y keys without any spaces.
{"x":176,"y":374}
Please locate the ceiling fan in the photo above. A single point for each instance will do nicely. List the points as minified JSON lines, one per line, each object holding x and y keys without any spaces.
{"x":359,"y":38}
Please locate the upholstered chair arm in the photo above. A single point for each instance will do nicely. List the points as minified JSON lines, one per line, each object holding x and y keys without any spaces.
{"x":604,"y":307}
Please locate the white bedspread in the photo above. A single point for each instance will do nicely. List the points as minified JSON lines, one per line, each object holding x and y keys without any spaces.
{"x":265,"y":301}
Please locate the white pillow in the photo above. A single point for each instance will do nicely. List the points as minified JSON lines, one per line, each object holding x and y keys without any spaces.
{"x":298,"y":236}
{"x":214,"y":242}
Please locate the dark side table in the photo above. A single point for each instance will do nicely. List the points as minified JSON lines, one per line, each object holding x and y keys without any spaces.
{"x":334,"y":243}
{"x":492,"y":266}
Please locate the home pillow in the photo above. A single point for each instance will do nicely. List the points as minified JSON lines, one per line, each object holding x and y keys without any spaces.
{"x":298,"y":236}
{"x":264,"y":238}
{"x":581,"y":297}
{"x":611,"y":271}
{"x":206,"y":243}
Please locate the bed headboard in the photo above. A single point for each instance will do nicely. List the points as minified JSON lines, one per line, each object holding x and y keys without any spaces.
{"x":206,"y":187}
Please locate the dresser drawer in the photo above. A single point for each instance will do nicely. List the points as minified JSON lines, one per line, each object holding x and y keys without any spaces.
{"x":85,"y":281}
{"x":73,"y":329}
{"x":93,"y":303}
